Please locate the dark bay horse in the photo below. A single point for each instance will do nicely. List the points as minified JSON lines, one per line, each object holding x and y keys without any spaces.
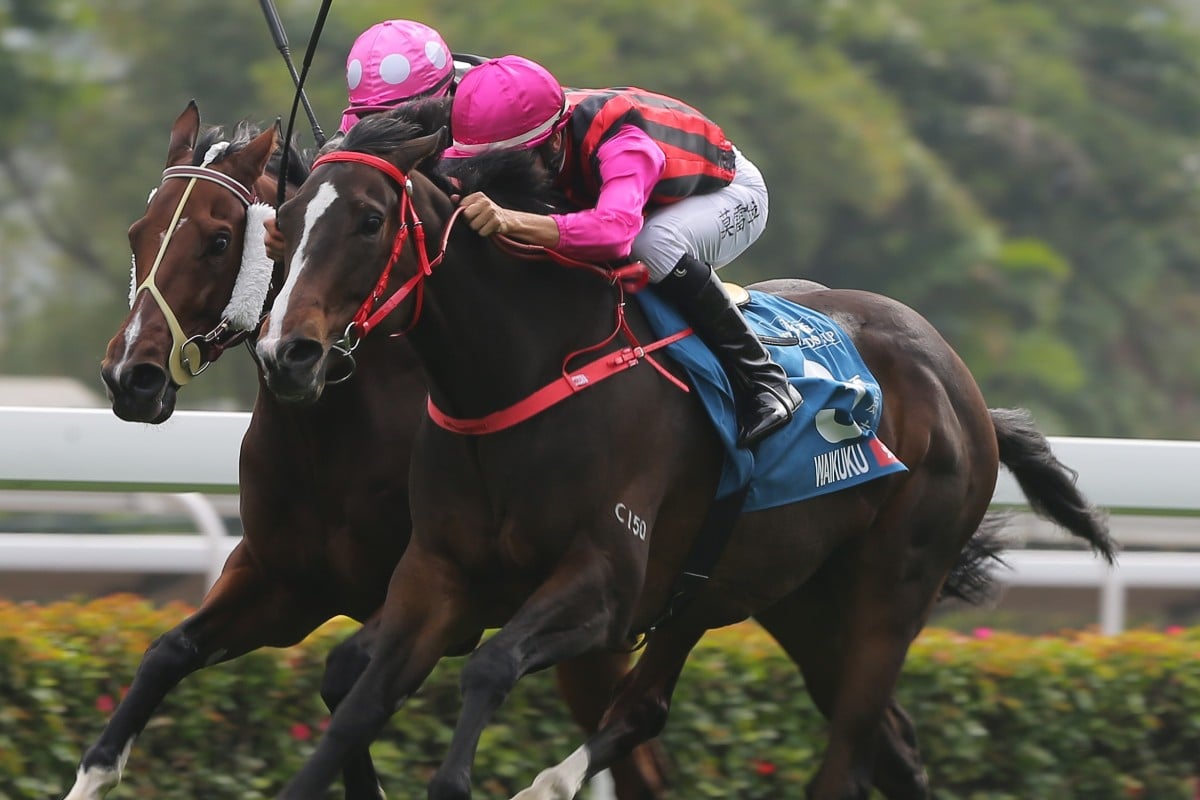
{"x":324,"y":500}
{"x":520,"y":528}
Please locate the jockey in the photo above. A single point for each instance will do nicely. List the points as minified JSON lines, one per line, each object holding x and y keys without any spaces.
{"x":390,"y":63}
{"x":654,"y":180}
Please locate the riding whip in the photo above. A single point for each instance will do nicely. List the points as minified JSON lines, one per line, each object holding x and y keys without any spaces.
{"x":280,"y":37}
{"x":281,"y":44}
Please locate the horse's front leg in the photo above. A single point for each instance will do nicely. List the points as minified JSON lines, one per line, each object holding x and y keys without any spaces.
{"x":422,"y":618}
{"x":636,"y":714}
{"x":575,"y":611}
{"x":243,"y":611}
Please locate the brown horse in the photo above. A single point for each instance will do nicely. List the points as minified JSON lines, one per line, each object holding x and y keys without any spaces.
{"x":516,"y":528}
{"x":324,"y":500}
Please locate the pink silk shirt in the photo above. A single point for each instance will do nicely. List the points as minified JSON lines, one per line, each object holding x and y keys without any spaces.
{"x":630,"y":165}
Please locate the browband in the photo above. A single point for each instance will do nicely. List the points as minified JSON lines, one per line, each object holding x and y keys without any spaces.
{"x":207,"y":174}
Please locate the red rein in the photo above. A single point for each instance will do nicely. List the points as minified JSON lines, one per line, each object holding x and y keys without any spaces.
{"x":632,"y":277}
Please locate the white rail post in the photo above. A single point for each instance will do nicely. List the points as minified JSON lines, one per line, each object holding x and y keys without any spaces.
{"x":205,"y":515}
{"x":1112,"y":603}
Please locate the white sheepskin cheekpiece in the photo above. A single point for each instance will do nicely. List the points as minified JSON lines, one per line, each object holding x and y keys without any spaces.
{"x":254,"y":278}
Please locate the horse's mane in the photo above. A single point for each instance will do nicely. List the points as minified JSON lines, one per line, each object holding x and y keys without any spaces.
{"x":298,"y":161}
{"x":515,"y":179}
{"x":298,"y":164}
{"x":385,"y":132}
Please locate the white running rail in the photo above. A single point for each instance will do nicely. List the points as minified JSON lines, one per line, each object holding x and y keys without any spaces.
{"x":1149,"y":485}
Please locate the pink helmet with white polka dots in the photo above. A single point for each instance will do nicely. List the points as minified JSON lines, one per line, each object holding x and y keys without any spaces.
{"x":392,"y":62}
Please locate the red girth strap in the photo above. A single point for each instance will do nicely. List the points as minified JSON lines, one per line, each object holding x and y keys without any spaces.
{"x":571,"y":382}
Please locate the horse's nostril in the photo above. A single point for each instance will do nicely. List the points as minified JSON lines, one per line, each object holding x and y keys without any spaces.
{"x":145,"y":379}
{"x":300,"y":355}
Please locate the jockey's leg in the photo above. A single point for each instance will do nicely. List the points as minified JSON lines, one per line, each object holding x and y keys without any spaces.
{"x":765,"y":398}
{"x":678,"y":243}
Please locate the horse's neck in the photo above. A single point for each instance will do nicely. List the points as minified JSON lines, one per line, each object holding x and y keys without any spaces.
{"x":495,"y":328}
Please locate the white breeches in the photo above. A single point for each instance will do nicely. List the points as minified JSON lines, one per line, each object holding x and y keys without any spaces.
{"x":714,"y":227}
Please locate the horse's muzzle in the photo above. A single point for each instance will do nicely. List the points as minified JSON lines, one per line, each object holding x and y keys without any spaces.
{"x":294,"y":369}
{"x":140,"y":392}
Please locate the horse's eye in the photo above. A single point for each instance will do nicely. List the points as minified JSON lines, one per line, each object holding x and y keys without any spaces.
{"x":371,"y":225}
{"x":219,"y":245}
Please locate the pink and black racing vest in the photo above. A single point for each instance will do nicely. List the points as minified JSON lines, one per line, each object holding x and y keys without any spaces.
{"x":699,"y":157}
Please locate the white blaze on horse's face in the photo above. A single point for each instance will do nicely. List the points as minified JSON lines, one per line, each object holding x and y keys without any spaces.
{"x":321,"y":202}
{"x":132,"y":332}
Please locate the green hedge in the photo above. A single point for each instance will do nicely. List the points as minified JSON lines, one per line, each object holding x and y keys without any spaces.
{"x":999,"y":716}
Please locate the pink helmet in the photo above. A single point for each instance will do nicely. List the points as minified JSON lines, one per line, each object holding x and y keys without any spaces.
{"x":394,"y":61}
{"x":507,"y":103}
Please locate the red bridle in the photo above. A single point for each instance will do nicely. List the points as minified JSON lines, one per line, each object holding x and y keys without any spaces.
{"x":370,"y":314}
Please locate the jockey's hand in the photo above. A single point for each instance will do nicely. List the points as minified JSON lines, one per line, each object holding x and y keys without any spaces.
{"x":484,"y":216}
{"x":274,"y":240}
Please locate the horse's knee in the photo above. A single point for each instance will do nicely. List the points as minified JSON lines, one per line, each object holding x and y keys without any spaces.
{"x":343,"y":666}
{"x":490,"y":672}
{"x":174,"y":650}
{"x":648,"y":716}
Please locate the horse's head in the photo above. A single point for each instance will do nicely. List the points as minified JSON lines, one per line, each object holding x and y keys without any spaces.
{"x":200,"y":271}
{"x":358,"y":224}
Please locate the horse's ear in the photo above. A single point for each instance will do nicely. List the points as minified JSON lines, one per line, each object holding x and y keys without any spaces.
{"x":426,"y":147}
{"x":183,"y":135}
{"x":258,"y":151}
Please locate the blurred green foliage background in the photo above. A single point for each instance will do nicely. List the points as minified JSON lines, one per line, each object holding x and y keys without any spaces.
{"x":1026,"y":173}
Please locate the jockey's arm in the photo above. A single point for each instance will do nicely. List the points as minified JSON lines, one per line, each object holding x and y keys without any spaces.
{"x":487,"y":218}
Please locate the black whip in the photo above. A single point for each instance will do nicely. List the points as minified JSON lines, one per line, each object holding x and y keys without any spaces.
{"x":281,"y":42}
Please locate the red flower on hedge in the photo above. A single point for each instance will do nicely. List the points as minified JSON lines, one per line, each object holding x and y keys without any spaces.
{"x":764,"y":768}
{"x":301,"y":732}
{"x":105,"y":704}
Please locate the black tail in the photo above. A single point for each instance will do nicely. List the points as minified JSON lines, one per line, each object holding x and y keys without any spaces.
{"x":1047,"y":483}
{"x":971,"y":579}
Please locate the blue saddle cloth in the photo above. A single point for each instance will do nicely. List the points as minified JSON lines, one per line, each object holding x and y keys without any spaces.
{"x":830,"y":444}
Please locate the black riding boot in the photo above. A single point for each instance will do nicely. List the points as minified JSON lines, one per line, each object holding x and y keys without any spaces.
{"x":765,"y":399}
